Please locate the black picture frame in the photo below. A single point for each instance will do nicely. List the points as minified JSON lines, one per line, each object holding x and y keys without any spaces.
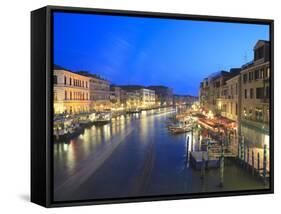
{"x":42,"y":101}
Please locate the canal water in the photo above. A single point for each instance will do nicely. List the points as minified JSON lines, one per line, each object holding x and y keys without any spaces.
{"x":135,"y":155}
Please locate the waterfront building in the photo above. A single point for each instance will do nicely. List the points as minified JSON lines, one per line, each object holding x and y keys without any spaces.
{"x":243,"y":95}
{"x":71,"y":92}
{"x":130,"y":96}
{"x":133,"y":100}
{"x":99,"y":92}
{"x":117,"y":98}
{"x":255,"y":88}
{"x":204,"y":93}
{"x":138,"y":96}
{"x":163,"y":95}
{"x":115,"y":94}
{"x":213,"y":94}
{"x":229,"y":102}
{"x":210,"y":91}
{"x":147,"y":97}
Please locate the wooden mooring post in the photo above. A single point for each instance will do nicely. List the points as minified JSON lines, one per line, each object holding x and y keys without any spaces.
{"x":192,"y":139}
{"x":253,"y":162}
{"x":187,"y":144}
{"x":264,"y":163}
{"x":208,"y":148}
{"x":242,"y":150}
{"x":258,"y":167}
{"x":203,"y":166}
{"x":239,"y":152}
{"x":222,"y":166}
{"x":198,"y":139}
{"x":187,"y":150}
{"x":248,"y":157}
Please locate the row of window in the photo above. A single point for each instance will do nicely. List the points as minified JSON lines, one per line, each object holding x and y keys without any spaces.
{"x":232,"y":90}
{"x":261,"y":92}
{"x":255,"y":75}
{"x":76,"y":82}
{"x":262,"y":73}
{"x":75,"y":95}
{"x":71,"y":81}
{"x":257,"y":114}
{"x":100,"y":97}
{"x":231,"y":109}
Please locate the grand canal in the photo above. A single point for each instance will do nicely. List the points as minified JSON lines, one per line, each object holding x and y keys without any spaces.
{"x":135,"y":155}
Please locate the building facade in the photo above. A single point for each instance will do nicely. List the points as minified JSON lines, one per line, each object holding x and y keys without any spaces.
{"x":255,"y":94}
{"x":117,"y":98}
{"x":138,"y":96}
{"x":71,"y":92}
{"x":99,"y":92}
{"x":205,"y":94}
{"x":216,"y":92}
{"x":133,"y":100}
{"x":243,"y":95}
{"x":147,"y":98}
{"x":229,"y":101}
{"x":163,"y":95}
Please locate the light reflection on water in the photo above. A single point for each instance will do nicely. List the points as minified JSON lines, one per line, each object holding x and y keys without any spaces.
{"x":133,"y":155}
{"x":68,"y":155}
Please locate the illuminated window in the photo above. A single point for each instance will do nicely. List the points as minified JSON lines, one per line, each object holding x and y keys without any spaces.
{"x":245,"y":112}
{"x":259,"y":115}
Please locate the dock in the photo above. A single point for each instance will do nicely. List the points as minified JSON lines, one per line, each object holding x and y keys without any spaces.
{"x":201,"y":157}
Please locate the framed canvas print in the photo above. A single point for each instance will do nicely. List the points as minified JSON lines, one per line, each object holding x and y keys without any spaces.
{"x":138,"y":106}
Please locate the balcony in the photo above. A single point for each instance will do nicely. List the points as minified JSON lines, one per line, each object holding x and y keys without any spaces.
{"x":255,"y":124}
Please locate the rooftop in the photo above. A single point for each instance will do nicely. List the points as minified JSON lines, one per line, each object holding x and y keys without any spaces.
{"x":158,"y":86}
{"x":83,"y":73}
{"x":261,"y":43}
{"x":89,"y":74}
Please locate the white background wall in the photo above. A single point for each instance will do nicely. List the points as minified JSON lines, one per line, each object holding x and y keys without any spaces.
{"x":15,"y":105}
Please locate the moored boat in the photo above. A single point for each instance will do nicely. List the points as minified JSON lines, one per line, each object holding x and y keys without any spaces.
{"x":179,"y":130}
{"x":102,"y":118}
{"x":68,"y":133}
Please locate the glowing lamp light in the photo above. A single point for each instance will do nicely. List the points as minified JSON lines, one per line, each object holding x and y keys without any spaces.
{"x":210,"y":115}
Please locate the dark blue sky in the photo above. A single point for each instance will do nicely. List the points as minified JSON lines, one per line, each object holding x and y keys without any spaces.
{"x":149,"y":51}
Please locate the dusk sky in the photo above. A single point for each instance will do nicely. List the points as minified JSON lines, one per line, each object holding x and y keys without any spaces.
{"x":150,"y":51}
